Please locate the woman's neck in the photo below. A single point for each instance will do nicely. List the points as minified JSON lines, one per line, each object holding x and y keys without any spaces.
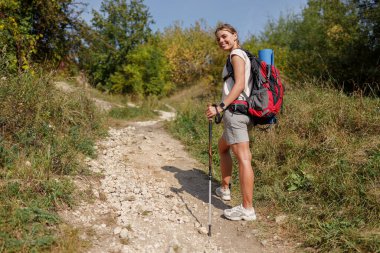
{"x":235,"y":47}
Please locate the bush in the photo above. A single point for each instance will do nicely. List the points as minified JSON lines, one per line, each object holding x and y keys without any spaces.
{"x":147,"y":72}
{"x":320,"y":164}
{"x":44,"y":133}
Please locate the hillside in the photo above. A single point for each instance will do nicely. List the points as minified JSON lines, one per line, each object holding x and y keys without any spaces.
{"x":319,"y":165}
{"x":151,"y":195}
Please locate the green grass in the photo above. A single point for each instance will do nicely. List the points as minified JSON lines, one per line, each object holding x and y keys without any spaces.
{"x":320,"y":164}
{"x":27,"y":218}
{"x":144,"y":107}
{"x":76,"y":83}
{"x":135,"y":113}
{"x":145,"y":110}
{"x":44,"y":135}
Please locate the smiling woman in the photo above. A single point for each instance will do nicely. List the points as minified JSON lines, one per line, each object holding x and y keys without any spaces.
{"x":235,"y":136}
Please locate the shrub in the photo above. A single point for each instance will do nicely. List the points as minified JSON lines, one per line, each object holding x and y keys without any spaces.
{"x":44,"y":133}
{"x":320,"y":164}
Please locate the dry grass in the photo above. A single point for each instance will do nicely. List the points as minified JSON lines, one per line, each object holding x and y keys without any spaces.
{"x":69,"y":240}
{"x":320,"y":164}
{"x":44,"y":135}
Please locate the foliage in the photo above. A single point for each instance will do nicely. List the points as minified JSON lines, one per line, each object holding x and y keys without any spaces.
{"x":275,"y":37}
{"x":128,"y":113}
{"x":320,"y":165}
{"x":37,"y":30}
{"x":36,"y":120}
{"x":331,"y":40}
{"x":155,"y":64}
{"x":369,"y":14}
{"x":328,"y":31}
{"x":118,"y":28}
{"x":146,"y":110}
{"x":32,"y":225}
{"x":192,"y":54}
{"x":147,"y":72}
{"x":44,"y":134}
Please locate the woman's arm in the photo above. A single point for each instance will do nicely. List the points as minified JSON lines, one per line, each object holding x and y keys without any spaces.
{"x":238,"y":65}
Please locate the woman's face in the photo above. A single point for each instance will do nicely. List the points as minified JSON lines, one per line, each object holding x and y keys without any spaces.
{"x":226,"y":40}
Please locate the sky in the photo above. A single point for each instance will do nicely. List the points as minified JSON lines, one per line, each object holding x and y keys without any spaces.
{"x":247,"y":16}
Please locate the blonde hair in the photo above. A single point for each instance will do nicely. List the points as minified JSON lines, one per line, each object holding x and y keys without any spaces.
{"x":228,"y":28}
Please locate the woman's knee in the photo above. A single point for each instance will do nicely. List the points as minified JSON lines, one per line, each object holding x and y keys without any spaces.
{"x":244,"y":157}
{"x":242,"y":153}
{"x":223,"y":146}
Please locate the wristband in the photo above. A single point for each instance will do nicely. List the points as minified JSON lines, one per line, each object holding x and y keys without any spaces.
{"x":218,"y":117}
{"x":222,"y":105}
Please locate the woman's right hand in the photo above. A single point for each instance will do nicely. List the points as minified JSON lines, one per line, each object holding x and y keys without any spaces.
{"x":210,"y":112}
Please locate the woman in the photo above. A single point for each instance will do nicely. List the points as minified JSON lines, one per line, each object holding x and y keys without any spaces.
{"x":236,"y":125}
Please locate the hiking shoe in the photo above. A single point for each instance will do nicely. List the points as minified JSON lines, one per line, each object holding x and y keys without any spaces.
{"x":224,"y":194}
{"x":240,"y":213}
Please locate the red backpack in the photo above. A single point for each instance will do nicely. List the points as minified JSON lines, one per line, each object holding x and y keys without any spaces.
{"x":265,"y":100}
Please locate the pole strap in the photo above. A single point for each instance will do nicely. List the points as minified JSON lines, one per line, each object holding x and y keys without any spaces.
{"x":218,"y":117}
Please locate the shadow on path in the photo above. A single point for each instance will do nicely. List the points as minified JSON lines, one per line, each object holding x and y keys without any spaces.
{"x":195,"y":182}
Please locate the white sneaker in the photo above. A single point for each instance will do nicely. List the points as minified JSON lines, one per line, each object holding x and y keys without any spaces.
{"x":224,"y":194}
{"x":240,"y":213}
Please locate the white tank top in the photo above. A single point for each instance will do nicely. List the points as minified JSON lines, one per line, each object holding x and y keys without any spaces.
{"x":229,"y":83}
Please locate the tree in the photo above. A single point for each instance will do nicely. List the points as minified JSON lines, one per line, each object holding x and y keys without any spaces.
{"x":192,"y":54}
{"x":332,"y":40}
{"x":37,"y":30}
{"x":369,"y":15}
{"x":147,"y":72}
{"x":118,"y":28}
{"x":277,"y":36}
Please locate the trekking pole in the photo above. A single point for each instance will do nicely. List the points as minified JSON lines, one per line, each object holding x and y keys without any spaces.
{"x":209,"y":173}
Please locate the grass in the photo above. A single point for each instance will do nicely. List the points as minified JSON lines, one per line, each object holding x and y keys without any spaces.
{"x":77,"y":83}
{"x":44,"y":134}
{"x":135,"y":113}
{"x":28,"y":221}
{"x":320,"y":164}
{"x":144,"y":108}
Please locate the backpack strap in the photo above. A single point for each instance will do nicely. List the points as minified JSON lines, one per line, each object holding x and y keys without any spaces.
{"x":230,"y":70}
{"x":258,"y":78}
{"x":230,"y":73}
{"x":255,"y":65}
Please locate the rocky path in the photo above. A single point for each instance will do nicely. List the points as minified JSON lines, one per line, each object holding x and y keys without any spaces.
{"x":151,"y":196}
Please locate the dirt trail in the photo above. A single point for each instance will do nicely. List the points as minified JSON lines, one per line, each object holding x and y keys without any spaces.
{"x":153,"y":197}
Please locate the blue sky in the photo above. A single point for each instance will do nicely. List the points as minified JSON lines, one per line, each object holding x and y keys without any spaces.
{"x":247,"y":16}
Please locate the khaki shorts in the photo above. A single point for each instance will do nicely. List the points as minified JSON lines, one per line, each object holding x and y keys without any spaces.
{"x":236,"y":127}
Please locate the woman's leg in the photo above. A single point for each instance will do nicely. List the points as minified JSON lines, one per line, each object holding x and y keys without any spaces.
{"x":246,"y":176}
{"x":225,"y":162}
